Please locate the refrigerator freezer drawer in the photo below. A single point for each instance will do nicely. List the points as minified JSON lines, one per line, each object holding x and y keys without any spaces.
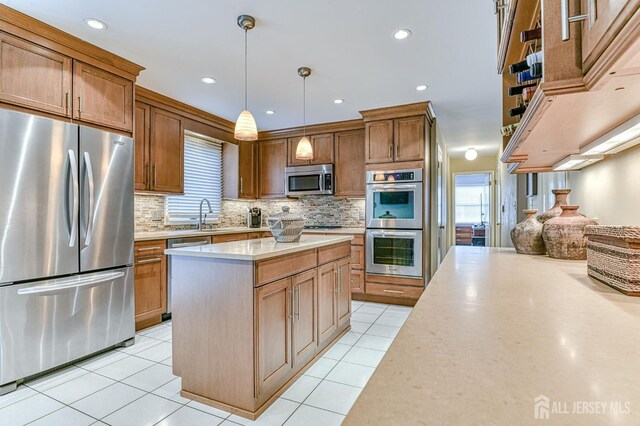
{"x":45,"y":324}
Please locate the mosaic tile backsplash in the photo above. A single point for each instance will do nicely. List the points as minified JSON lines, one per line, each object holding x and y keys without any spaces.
{"x":316,"y":210}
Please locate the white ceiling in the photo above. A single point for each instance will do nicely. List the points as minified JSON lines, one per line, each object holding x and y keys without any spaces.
{"x":347,"y":43}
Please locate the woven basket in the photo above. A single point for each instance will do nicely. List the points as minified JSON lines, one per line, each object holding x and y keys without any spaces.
{"x":285,"y":227}
{"x":613,"y":256}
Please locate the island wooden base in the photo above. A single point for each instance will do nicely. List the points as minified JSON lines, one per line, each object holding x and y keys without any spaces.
{"x":254,"y":415}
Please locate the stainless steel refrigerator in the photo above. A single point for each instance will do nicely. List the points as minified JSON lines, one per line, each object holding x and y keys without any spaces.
{"x":66,"y":243}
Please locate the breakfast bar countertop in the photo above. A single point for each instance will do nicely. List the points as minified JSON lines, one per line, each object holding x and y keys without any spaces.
{"x":498,"y":338}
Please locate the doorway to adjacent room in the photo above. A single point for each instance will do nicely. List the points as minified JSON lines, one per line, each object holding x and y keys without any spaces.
{"x":473,"y":207}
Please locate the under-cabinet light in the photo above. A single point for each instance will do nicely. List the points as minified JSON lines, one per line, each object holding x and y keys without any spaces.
{"x":577,"y":162}
{"x":622,"y":137}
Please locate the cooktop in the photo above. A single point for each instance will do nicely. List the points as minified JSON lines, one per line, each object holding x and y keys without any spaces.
{"x":322,"y":227}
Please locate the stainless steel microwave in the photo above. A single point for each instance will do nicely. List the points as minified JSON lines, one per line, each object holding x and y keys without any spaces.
{"x":309,"y":180}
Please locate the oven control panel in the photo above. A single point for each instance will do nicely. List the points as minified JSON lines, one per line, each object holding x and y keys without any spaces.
{"x":395,"y":176}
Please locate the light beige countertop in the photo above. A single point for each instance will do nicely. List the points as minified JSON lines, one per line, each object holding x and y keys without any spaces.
{"x":163,"y":235}
{"x":495,"y":330}
{"x":258,"y":249}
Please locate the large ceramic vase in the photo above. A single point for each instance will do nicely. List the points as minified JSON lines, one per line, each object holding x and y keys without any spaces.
{"x":527,"y":235}
{"x":555,"y":211}
{"x":564,"y":235}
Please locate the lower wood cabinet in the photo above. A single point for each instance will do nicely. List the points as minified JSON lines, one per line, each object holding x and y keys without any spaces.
{"x":215,"y":239}
{"x":304,"y":288}
{"x":343,"y":291}
{"x":327,"y":309}
{"x":357,"y":281}
{"x":150,"y":282}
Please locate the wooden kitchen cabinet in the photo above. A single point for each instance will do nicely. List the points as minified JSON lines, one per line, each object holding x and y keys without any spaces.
{"x":150,"y":282}
{"x":409,"y":138}
{"x":102,"y":98}
{"x":343,"y":294}
{"x":304,"y":288}
{"x":349,"y":168}
{"x":273,"y":330}
{"x":141,"y":136}
{"x":327,"y":309}
{"x":240,"y":170}
{"x":322,"y":150}
{"x":215,"y":239}
{"x":357,"y":281}
{"x":34,"y":77}
{"x":166,"y":152}
{"x":379,"y":141}
{"x":272,"y":158}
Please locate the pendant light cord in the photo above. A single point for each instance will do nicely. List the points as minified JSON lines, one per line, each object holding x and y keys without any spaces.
{"x":245,"y":69}
{"x":304,"y":106}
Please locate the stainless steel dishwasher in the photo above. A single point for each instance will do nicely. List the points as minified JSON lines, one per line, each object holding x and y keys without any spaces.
{"x":177,"y":243}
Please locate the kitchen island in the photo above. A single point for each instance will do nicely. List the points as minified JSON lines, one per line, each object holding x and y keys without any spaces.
{"x":249,"y":317}
{"x":502,"y":338}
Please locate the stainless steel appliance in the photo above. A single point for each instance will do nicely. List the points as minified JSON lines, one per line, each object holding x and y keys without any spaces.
{"x":309,"y":180}
{"x":394,"y":199}
{"x":177,"y":243}
{"x":254,"y":217}
{"x":394,"y":252}
{"x":66,"y":243}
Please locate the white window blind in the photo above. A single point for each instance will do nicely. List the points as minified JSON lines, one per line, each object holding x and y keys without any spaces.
{"x":202,"y":179}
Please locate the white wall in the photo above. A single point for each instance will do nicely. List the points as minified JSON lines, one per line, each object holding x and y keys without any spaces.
{"x":610,"y":189}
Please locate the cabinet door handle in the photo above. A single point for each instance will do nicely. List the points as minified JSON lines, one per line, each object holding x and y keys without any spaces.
{"x":154,"y":260}
{"x":567,"y":20}
{"x":155,"y":175}
{"x":148,"y":180}
{"x":66,"y":103}
{"x":389,"y":152}
{"x":394,"y":291}
{"x":397,"y":150}
{"x":79,"y":106}
{"x":241,"y":185}
{"x":335,"y":283}
{"x":149,"y":248}
{"x":297,"y":313}
{"x":292,"y":307}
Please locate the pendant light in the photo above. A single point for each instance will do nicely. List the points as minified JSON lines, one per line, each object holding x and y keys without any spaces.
{"x":246,"y":129}
{"x":304,"y":150}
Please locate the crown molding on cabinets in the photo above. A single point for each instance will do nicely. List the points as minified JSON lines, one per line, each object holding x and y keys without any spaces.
{"x":408,"y":110}
{"x":35,"y":31}
{"x":337,"y":126}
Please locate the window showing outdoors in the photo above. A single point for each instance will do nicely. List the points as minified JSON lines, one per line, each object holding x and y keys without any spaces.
{"x":202,"y":179}
{"x":472,"y":198}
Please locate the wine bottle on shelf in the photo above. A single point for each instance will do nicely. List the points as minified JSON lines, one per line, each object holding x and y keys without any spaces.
{"x":531,"y":35}
{"x":536,"y":70}
{"x":535,"y":58}
{"x":527,"y":93}
{"x":518,"y":67}
{"x":517,"y":111}
{"x":528,"y":76}
{"x":517,"y":90}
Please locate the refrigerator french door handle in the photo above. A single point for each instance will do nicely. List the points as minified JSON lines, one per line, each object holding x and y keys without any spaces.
{"x":87,"y":164}
{"x":73,"y":165}
{"x":70,"y":283}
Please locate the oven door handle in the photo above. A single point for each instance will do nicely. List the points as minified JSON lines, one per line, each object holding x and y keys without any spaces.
{"x":393,"y":234}
{"x":377,"y":187}
{"x":321,"y":177}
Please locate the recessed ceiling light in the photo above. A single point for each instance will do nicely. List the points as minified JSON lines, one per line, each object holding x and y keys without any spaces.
{"x":338,"y":101}
{"x":96,"y":24}
{"x":422,"y":87}
{"x":270,"y":112}
{"x":208,"y":80}
{"x":402,"y":34}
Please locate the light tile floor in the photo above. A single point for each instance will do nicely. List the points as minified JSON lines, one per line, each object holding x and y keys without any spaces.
{"x":135,"y":385}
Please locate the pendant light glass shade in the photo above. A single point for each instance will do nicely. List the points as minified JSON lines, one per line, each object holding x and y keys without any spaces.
{"x":246,"y":129}
{"x":304,"y":151}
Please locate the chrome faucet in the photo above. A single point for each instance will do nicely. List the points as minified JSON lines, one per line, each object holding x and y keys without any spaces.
{"x":200,"y":221}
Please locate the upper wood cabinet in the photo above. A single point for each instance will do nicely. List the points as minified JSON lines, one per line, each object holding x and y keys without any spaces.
{"x":240,"y":170}
{"x":142,"y":135}
{"x":34,"y":77}
{"x":322,"y":150}
{"x":409,"y":138}
{"x":272,"y":158}
{"x":379,"y":141}
{"x":349,"y":169}
{"x":101,"y":97}
{"x":166,"y":152}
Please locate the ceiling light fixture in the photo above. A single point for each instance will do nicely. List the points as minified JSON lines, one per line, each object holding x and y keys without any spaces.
{"x":246,"y":129}
{"x":422,"y":87}
{"x":338,"y":101}
{"x":622,"y":137}
{"x":304,"y":150}
{"x":471,"y":154}
{"x":270,"y":112}
{"x":96,"y":24}
{"x":577,"y":162}
{"x":208,"y":80}
{"x":402,"y":34}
